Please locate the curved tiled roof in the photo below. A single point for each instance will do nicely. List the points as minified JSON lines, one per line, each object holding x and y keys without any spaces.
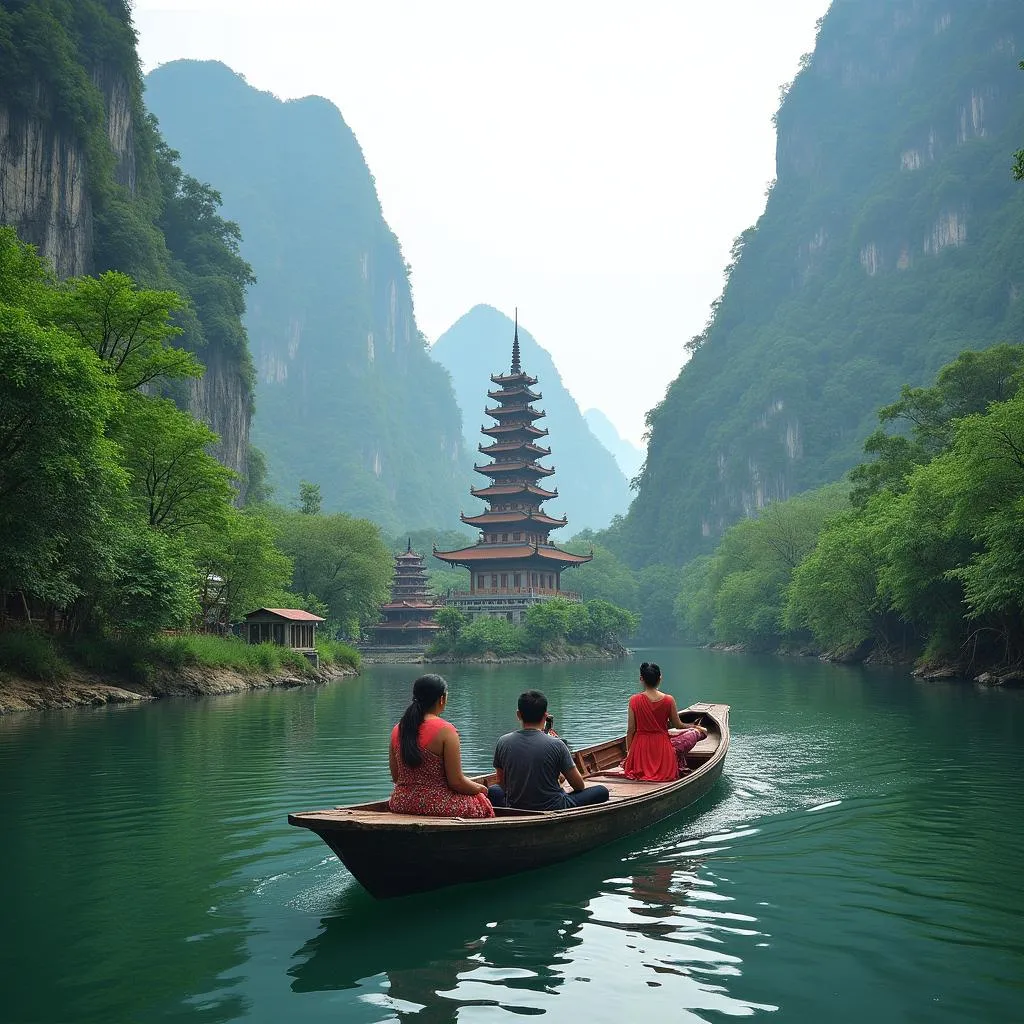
{"x":510,"y":552}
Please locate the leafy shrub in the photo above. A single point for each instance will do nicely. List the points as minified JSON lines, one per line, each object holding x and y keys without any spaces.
{"x":499,"y":636}
{"x":29,"y":653}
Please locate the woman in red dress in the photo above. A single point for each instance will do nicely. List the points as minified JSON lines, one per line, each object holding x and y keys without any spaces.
{"x":426,"y":760}
{"x":650,"y":755}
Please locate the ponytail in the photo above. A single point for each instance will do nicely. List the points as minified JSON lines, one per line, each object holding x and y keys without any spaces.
{"x":650,"y":674}
{"x":426,"y":692}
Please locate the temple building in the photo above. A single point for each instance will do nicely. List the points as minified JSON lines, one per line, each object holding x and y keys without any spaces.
{"x":513,"y":565}
{"x":407,"y":620}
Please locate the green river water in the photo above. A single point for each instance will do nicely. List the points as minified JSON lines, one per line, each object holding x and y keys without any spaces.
{"x":860,"y":859}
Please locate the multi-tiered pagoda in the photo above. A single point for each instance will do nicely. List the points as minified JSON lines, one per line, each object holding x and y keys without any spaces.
{"x":513,"y":565}
{"x":407,"y":620}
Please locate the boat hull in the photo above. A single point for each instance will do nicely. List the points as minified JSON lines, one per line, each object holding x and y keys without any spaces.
{"x":419,"y":854}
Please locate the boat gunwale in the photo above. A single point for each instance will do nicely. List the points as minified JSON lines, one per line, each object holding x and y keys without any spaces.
{"x":311,"y":819}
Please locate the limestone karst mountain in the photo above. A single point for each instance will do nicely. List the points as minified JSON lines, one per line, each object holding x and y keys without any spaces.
{"x":87,"y":179}
{"x":346,"y":393}
{"x":891,"y":241}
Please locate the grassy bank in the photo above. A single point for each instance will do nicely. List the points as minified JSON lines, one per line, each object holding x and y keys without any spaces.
{"x":36,"y":655}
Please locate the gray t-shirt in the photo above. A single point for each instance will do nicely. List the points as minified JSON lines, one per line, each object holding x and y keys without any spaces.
{"x":532,"y":761}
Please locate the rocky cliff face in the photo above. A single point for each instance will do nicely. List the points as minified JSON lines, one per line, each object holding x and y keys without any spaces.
{"x":346,"y":393}
{"x":78,"y":177}
{"x":43,"y":193}
{"x":890,"y":241}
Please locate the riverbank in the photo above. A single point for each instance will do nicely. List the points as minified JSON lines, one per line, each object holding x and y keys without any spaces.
{"x":395,"y":657}
{"x":928,"y":670}
{"x":39,"y":671}
{"x":82,"y":689}
{"x":528,"y":658}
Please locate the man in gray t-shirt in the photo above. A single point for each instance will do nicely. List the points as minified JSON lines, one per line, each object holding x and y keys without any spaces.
{"x":529,"y":763}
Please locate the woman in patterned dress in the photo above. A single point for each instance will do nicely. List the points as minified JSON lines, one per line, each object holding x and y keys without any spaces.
{"x":426,"y":760}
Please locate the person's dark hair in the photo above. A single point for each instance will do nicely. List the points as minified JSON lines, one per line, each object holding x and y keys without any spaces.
{"x":426,"y":692}
{"x":533,"y":706}
{"x":650,"y":674}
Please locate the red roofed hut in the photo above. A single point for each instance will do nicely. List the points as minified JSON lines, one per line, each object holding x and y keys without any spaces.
{"x":287,"y":627}
{"x":513,"y":565}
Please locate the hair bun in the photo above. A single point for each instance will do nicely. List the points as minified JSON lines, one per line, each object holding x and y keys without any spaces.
{"x":643,"y":665}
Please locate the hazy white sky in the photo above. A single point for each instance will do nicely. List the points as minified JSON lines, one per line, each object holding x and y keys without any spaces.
{"x":588,"y":161}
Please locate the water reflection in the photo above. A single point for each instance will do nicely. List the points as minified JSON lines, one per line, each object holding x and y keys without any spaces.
{"x":544,"y":942}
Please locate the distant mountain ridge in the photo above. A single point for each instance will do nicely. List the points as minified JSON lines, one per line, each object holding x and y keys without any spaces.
{"x":591,"y":487}
{"x":627,"y":455}
{"x":347,"y":395}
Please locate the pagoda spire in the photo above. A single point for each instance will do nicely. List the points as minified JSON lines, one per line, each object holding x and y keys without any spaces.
{"x":516,"y":367}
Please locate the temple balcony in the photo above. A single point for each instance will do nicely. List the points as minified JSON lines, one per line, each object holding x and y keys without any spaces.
{"x":571,"y":596}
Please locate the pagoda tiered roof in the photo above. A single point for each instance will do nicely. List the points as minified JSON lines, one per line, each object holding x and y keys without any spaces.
{"x":499,"y":429}
{"x":515,"y":377}
{"x":511,"y":490}
{"x":524,"y":554}
{"x":525,"y":411}
{"x":519,"y":466}
{"x":399,"y":605}
{"x":515,"y":391}
{"x":513,"y":518}
{"x":502,"y":447}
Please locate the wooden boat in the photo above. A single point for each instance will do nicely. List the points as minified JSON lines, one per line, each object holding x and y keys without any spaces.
{"x":398,"y":854}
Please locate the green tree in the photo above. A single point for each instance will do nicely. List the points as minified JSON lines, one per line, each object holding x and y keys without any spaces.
{"x":149,"y":583}
{"x":129,"y":328}
{"x":240,"y":568}
{"x":924,"y":416}
{"x":309,"y":498}
{"x":59,"y":472}
{"x":579,"y":628}
{"x":176,"y":483}
{"x":494,"y":635}
{"x":983,"y":475}
{"x":60,"y":477}
{"x":609,"y":623}
{"x":834,"y":591}
{"x":452,"y":622}
{"x":747,"y":578}
{"x":694,"y":606}
{"x":340,"y":560}
{"x":546,"y":622}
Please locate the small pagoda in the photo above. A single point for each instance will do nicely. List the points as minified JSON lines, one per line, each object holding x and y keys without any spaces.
{"x":513,"y":565}
{"x":407,"y":620}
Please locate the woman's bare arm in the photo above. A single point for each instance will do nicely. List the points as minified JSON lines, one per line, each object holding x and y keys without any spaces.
{"x":673,"y":714}
{"x":630,"y":729}
{"x":393,"y":764}
{"x":451,"y":752}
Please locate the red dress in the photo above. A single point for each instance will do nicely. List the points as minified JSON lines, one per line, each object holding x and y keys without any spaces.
{"x":424,"y":789}
{"x":651,"y":756}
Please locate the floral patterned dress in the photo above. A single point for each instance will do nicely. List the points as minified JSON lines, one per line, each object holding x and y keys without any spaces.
{"x":424,"y":789}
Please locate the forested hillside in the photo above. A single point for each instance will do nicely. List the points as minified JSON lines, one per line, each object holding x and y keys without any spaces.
{"x":891,"y":241}
{"x":86,"y":177}
{"x":347,"y":395}
{"x":591,"y":487}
